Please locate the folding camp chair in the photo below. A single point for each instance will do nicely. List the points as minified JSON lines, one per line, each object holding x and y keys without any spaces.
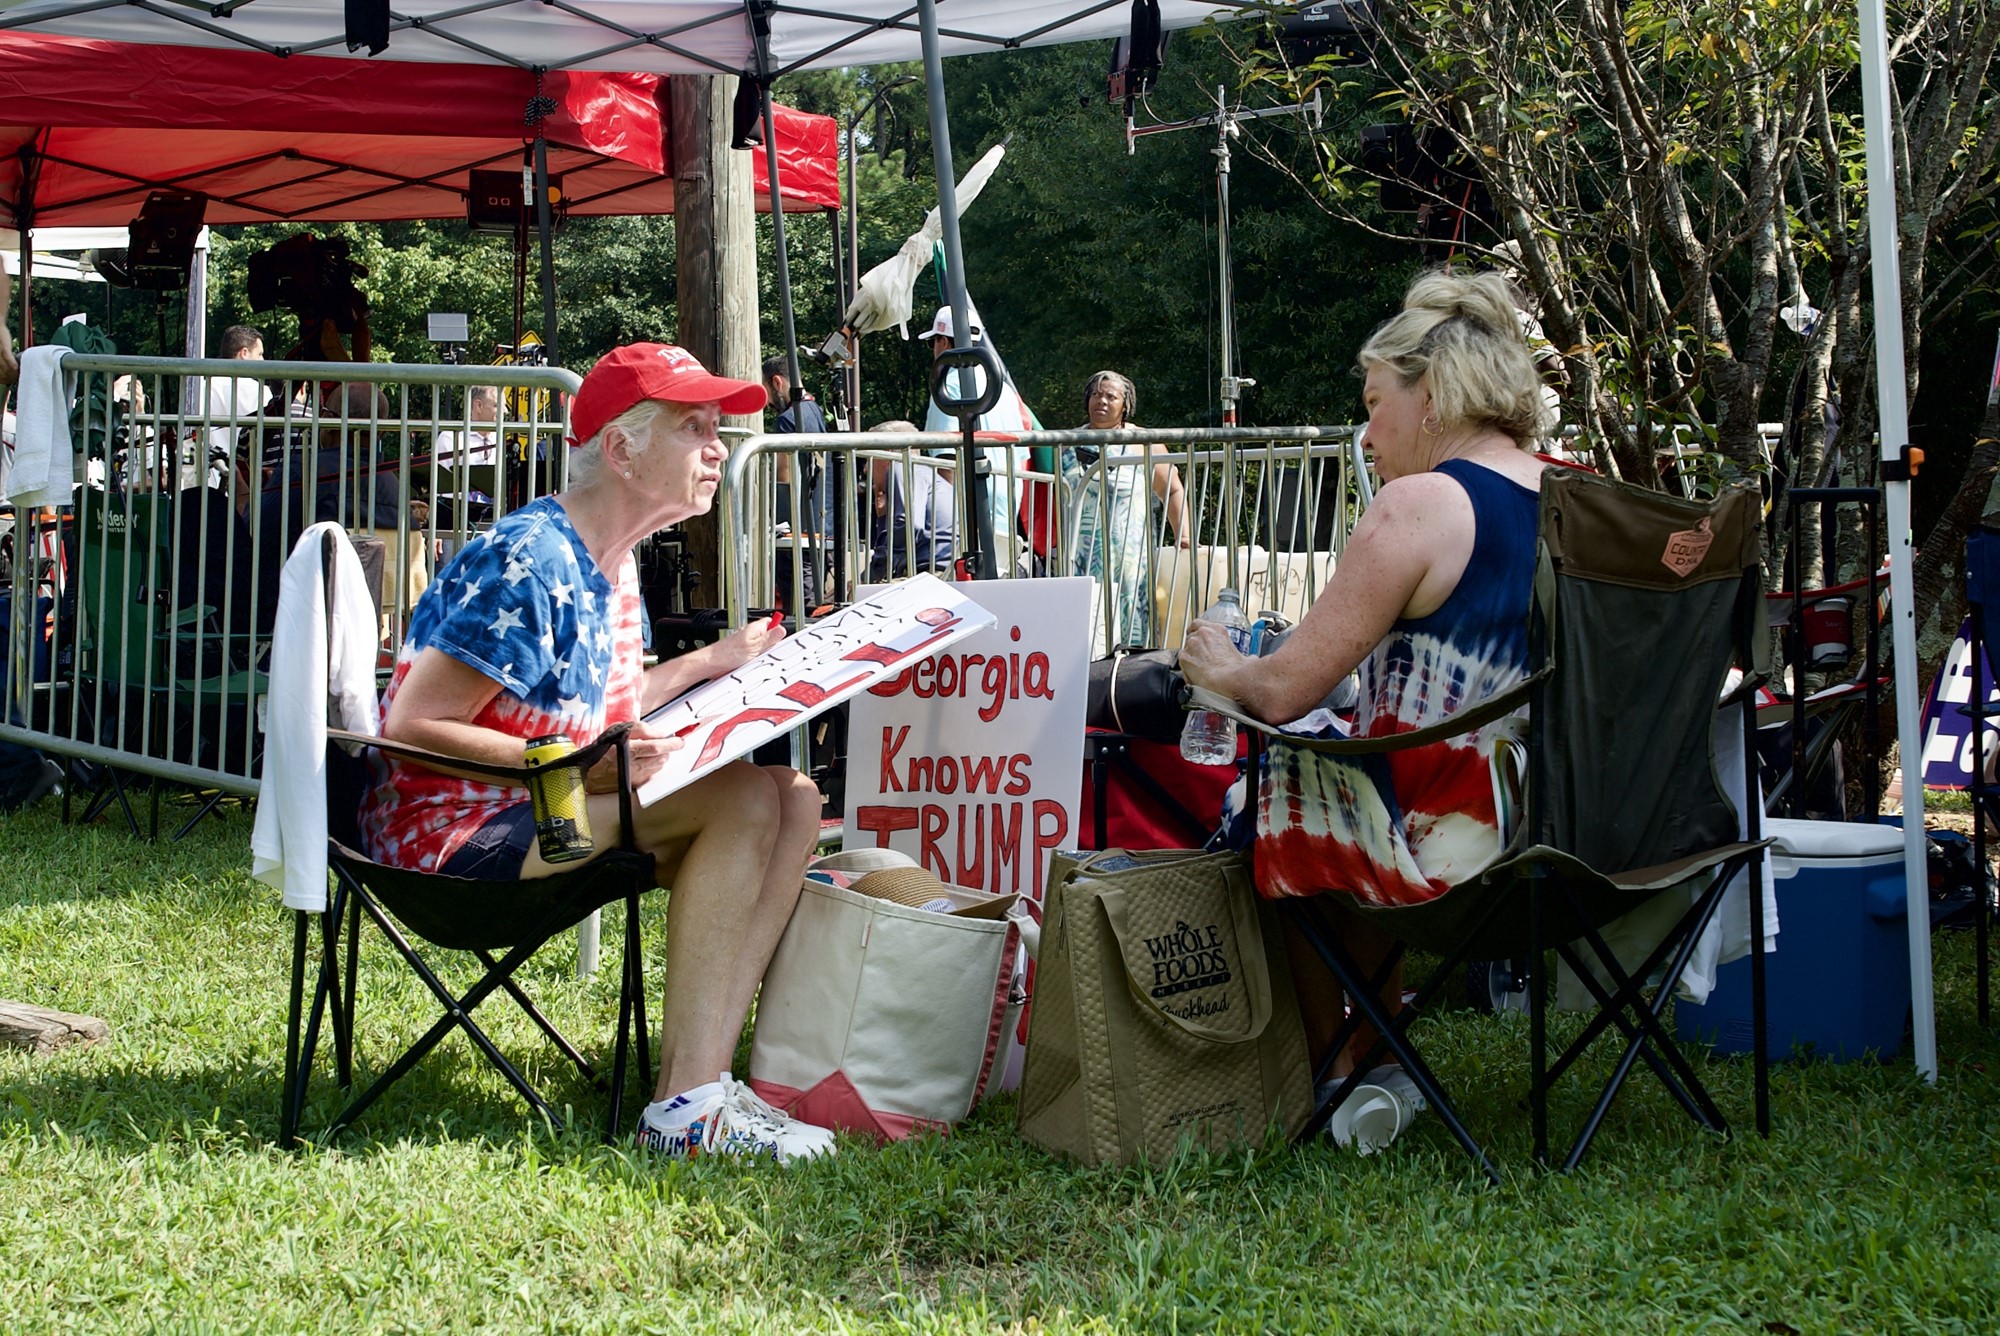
{"x":1642,"y":601}
{"x":1817,"y":638}
{"x":165,"y":670}
{"x":501,"y":924}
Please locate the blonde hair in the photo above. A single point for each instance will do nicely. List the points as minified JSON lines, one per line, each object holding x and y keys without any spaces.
{"x":1461,"y":335}
{"x":586,"y":462}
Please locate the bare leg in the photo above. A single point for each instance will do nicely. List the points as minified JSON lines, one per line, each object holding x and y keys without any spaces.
{"x":1322,"y":1004}
{"x":733,"y":847}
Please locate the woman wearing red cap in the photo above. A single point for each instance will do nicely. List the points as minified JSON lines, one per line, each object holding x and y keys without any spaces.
{"x":534,"y":628}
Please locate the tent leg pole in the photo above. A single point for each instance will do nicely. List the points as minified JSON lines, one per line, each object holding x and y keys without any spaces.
{"x":1886,"y":275}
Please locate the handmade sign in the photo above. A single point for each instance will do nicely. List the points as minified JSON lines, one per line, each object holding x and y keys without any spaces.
{"x":807,"y":673}
{"x":971,"y":762}
{"x":1948,"y":748}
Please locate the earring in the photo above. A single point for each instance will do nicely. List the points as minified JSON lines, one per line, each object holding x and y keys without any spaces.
{"x":1433,"y":425}
{"x":628,"y":475}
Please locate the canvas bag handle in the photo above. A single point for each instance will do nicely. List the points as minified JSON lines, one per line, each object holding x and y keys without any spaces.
{"x":1254,"y":967}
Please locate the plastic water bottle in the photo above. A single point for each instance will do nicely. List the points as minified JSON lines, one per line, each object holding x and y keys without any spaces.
{"x":1209,"y":738}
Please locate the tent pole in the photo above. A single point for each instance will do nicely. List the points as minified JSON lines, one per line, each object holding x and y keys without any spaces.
{"x":542,"y":226}
{"x":778,"y":226}
{"x":1894,"y":416}
{"x":31,"y":175}
{"x":971,"y":480}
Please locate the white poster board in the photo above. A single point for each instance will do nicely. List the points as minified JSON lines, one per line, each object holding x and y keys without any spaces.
{"x":972,"y":762}
{"x":828,"y":662}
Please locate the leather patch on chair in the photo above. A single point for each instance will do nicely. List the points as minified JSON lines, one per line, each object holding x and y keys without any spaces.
{"x":1686,"y":548}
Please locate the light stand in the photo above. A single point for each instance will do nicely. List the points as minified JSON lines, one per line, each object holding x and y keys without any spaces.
{"x":1228,"y":124}
{"x":853,"y":368}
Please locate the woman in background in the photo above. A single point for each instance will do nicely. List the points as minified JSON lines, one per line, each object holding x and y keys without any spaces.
{"x":1114,"y":535}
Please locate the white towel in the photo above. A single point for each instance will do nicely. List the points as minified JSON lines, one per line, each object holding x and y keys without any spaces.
{"x":317,"y":655}
{"x":44,"y":472}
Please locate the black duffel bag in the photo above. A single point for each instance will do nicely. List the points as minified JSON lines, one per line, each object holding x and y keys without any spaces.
{"x":1137,"y":692}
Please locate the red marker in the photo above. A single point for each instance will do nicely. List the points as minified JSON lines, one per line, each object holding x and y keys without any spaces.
{"x":777,"y":617}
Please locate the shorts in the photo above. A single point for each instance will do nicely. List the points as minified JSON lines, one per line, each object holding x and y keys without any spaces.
{"x":496,"y":851}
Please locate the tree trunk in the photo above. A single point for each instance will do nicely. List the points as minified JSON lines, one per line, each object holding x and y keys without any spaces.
{"x":715,"y":256}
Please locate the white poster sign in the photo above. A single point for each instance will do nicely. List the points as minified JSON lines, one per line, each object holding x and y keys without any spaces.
{"x":971,"y":762}
{"x":828,"y":662}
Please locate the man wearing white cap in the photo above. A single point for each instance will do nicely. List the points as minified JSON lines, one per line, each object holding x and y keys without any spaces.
{"x":1005,"y":464}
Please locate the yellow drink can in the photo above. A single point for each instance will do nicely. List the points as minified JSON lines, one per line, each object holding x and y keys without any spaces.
{"x":562,"y":821}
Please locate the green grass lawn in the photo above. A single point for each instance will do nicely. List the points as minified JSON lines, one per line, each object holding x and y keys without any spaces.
{"x":140,"y":1186}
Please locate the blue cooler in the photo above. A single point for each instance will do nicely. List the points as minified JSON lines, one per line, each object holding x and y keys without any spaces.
{"x":1838,"y":985}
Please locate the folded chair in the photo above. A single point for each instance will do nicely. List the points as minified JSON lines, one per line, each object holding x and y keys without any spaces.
{"x":161,"y":670}
{"x":1643,"y":603}
{"x":500,"y":924}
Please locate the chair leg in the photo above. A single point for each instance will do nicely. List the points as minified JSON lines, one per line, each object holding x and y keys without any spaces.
{"x":1760,"y":1024}
{"x":351,"y":997}
{"x":542,"y":1022}
{"x":630,"y":980}
{"x":458,"y":1015}
{"x":1353,"y":980}
{"x":641,"y":1032}
{"x":1627,"y":998}
{"x":1649,"y":1026}
{"x":292,"y":1097}
{"x":1538,"y":1028}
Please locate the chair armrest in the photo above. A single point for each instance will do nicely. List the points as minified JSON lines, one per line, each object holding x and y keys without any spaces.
{"x":1457,"y":725}
{"x":581,"y":758}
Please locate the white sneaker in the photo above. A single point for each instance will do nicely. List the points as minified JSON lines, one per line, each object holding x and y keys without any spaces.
{"x":726,"y":1117}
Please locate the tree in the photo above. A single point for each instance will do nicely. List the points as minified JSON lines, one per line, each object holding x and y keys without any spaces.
{"x":1678,"y":173}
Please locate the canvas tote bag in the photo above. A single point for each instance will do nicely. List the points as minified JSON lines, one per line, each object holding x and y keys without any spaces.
{"x":882,"y":1018}
{"x":1163,"y":1011}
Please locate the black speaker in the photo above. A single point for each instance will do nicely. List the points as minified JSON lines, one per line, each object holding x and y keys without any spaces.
{"x":493,"y":201}
{"x":163,"y":237}
{"x":1301,"y":521}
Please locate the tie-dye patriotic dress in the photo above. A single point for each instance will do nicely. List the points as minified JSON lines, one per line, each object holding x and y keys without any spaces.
{"x":524,"y":604}
{"x":1405,"y":827}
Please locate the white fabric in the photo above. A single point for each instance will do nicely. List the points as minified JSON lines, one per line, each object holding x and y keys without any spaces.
{"x":231,"y":396}
{"x":1006,"y":465}
{"x":322,"y":668}
{"x":693,"y":32}
{"x":888,"y":290}
{"x":44,"y":468}
{"x":472,"y":447}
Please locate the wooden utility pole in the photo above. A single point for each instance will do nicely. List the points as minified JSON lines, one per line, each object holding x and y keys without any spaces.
{"x":715,"y":267}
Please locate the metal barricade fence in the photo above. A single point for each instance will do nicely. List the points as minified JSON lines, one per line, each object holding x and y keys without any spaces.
{"x":1266,"y":510}
{"x":141,"y":613}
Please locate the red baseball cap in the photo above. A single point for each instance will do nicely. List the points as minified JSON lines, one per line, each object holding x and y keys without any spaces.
{"x":637,"y":372}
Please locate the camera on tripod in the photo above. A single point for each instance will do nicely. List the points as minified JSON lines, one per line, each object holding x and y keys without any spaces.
{"x":312,"y":277}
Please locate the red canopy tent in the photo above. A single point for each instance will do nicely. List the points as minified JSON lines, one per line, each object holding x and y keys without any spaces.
{"x":105,"y":123}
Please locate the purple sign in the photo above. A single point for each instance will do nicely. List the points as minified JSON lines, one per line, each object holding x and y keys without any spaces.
{"x":1948,"y":749}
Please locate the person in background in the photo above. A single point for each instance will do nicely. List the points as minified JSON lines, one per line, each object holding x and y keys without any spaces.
{"x":1430,"y":602}
{"x":232,"y":397}
{"x":910,"y":535}
{"x":26,"y":776}
{"x":533,"y":628}
{"x":803,"y":416}
{"x":1115,"y":534}
{"x":1005,"y":464}
{"x":480,"y":442}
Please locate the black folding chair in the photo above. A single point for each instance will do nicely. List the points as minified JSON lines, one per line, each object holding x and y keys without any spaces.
{"x":1642,"y":603}
{"x":501,"y":924}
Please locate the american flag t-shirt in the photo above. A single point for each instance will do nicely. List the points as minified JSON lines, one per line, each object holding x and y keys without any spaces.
{"x":525,"y":605}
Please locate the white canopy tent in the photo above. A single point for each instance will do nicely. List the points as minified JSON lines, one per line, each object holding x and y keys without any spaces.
{"x":762,"y":39}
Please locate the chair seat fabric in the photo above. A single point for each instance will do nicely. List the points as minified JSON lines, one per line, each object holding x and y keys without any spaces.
{"x":469,"y":914}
